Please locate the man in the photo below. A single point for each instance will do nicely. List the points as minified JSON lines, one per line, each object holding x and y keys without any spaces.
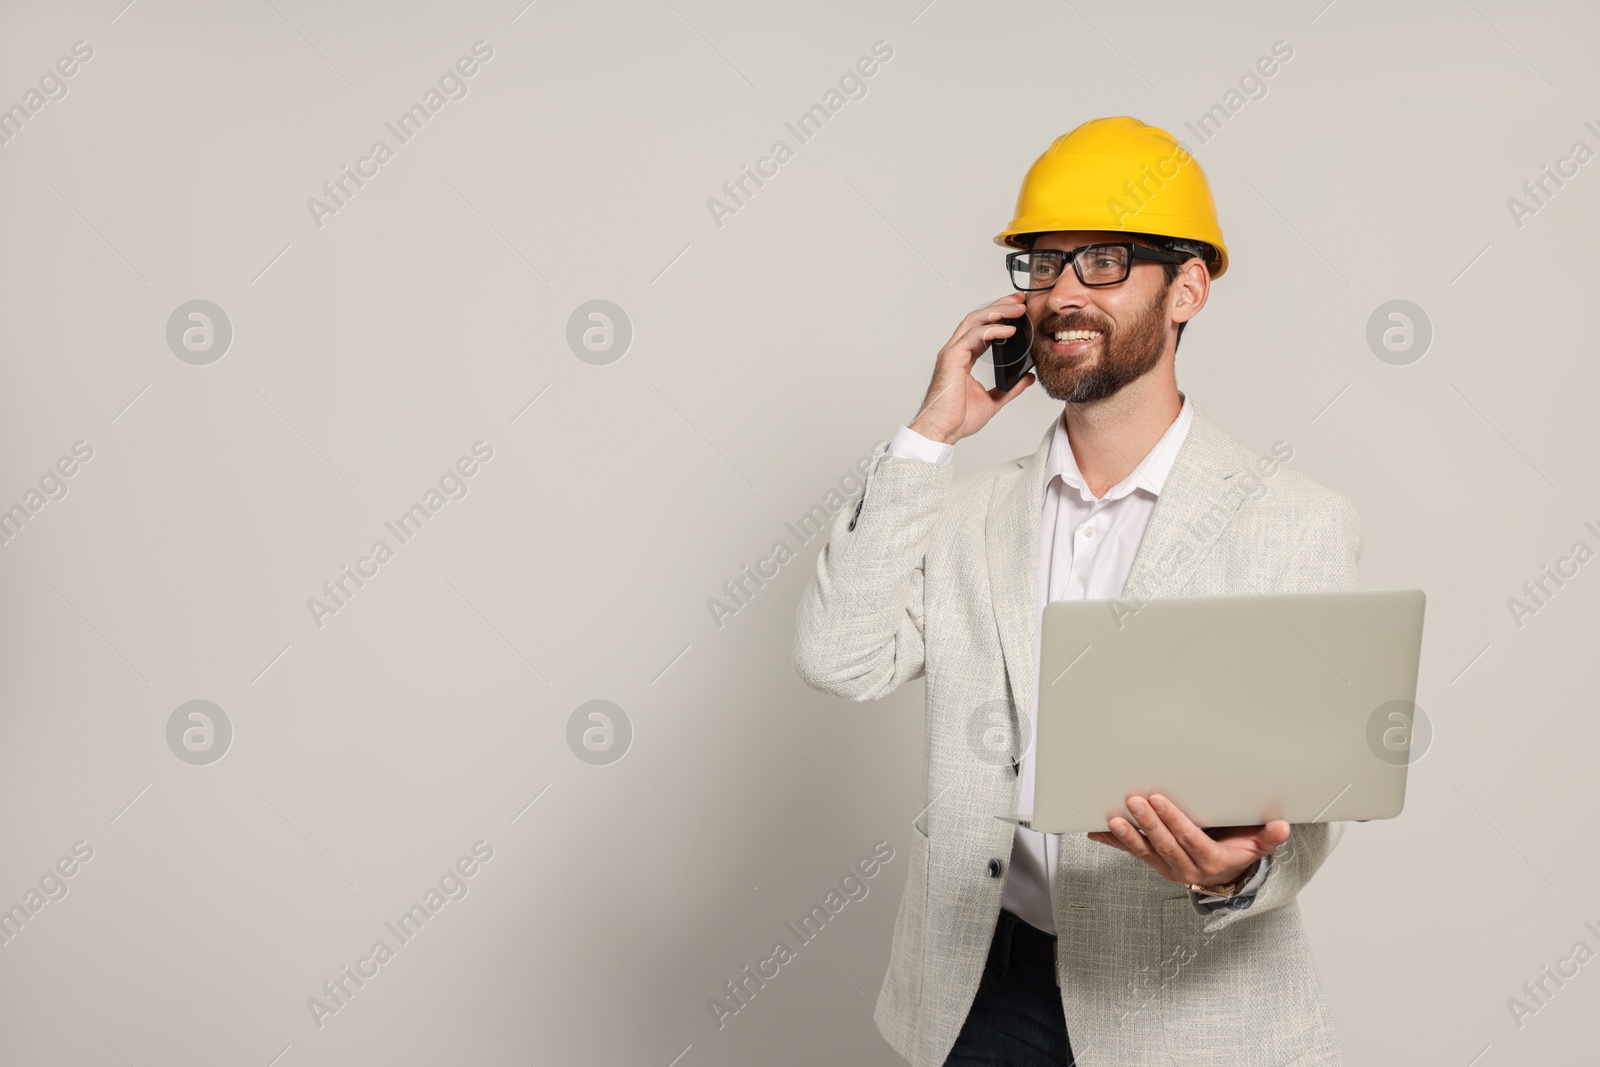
{"x":1157,"y":942}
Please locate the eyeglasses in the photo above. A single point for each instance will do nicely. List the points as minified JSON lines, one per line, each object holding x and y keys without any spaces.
{"x":1095,"y":265}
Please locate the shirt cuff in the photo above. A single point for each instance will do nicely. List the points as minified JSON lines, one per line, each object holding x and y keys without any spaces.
{"x":1246,"y":892}
{"x":909,"y":444}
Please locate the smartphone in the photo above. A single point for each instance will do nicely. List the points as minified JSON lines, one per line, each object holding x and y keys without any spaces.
{"x":1013,"y":355}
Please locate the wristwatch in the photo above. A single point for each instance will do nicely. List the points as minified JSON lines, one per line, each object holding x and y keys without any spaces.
{"x":1228,"y":889}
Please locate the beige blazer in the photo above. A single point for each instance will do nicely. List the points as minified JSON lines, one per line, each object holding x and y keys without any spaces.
{"x":935,"y":577}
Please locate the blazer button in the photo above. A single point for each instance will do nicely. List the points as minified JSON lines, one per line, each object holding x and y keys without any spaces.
{"x":994,"y":868}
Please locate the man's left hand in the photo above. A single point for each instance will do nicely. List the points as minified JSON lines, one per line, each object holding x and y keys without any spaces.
{"x":1180,"y":851}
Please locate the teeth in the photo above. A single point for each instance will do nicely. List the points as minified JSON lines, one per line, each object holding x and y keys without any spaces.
{"x":1066,"y":336}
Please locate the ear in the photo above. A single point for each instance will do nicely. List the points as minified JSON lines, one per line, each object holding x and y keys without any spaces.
{"x":1189,"y":291}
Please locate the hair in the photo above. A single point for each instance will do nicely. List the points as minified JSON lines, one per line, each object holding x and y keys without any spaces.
{"x":1176,"y":245}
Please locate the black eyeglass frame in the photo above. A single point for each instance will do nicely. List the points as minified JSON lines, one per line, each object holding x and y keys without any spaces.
{"x":1135,"y":251}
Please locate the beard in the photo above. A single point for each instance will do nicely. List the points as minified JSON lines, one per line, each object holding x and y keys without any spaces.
{"x":1126,"y":354}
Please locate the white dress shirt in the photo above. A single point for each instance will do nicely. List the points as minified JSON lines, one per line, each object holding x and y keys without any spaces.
{"x":1086,"y":550}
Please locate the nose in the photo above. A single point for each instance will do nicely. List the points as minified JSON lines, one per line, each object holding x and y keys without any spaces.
{"x":1068,"y":294}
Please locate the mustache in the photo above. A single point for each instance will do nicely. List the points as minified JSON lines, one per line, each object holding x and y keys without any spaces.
{"x":1056,"y":323}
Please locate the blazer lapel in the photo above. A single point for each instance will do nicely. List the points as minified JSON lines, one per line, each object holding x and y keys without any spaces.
{"x":1197,"y":502}
{"x":1011,"y":539}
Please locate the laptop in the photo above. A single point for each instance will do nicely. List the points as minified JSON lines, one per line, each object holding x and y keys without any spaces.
{"x":1239,"y":708}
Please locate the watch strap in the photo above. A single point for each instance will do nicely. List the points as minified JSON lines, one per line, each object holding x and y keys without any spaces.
{"x":1228,"y":889}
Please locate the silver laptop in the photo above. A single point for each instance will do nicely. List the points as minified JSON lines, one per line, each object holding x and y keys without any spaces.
{"x":1240,"y":709}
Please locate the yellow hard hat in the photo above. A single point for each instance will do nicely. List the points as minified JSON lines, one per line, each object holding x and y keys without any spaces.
{"x":1119,"y":174}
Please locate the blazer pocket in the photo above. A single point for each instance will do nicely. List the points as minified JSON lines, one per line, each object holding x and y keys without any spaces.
{"x":901,"y":1001}
{"x":1245,"y":996}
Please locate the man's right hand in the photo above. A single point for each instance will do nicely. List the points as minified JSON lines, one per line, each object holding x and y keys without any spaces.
{"x":957,"y":404}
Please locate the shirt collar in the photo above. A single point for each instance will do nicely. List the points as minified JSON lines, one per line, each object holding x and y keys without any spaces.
{"x":1150,"y":474}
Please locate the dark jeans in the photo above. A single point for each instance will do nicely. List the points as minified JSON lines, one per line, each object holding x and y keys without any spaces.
{"x":1016,"y":1019}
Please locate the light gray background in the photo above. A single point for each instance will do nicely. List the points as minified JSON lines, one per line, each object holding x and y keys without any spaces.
{"x":768,"y":355}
